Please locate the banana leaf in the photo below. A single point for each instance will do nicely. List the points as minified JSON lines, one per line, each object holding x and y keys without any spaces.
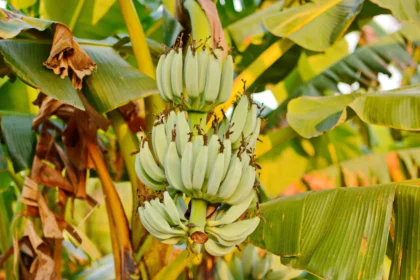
{"x":311,"y":116}
{"x":19,"y":139}
{"x":361,"y":66}
{"x":315,"y":25}
{"x":343,"y":233}
{"x":115,"y":83}
{"x":405,"y":10}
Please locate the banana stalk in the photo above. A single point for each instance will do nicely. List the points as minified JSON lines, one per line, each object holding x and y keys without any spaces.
{"x":198,"y":222}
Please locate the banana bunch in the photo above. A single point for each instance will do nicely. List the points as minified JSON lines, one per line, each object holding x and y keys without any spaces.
{"x":253,"y":264}
{"x":224,"y":230}
{"x":200,"y":81}
{"x":165,"y":221}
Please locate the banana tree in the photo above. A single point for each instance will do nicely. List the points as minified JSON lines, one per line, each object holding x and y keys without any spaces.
{"x":121,"y":157}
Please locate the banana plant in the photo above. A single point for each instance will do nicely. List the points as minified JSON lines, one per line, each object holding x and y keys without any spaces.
{"x":122,"y":158}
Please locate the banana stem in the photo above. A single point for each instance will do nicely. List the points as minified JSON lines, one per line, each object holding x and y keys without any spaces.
{"x":195,"y":118}
{"x":198,"y":214}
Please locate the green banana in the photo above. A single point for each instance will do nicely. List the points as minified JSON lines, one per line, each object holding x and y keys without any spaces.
{"x":254,"y":136}
{"x":231,"y":181}
{"x":182,"y":132}
{"x":176,"y":73}
{"x":245,"y":186}
{"x":200,"y":168}
{"x":213,"y":151}
{"x":187,"y":166}
{"x":211,"y":90}
{"x":233,"y":213}
{"x":159,"y":76}
{"x":170,"y":125}
{"x":158,"y":206}
{"x":144,"y":177}
{"x":160,"y":142}
{"x":261,"y":267}
{"x":249,"y":257}
{"x":216,"y":174}
{"x":236,"y":268}
{"x":149,"y":164}
{"x":173,"y":168}
{"x":191,"y":72}
{"x":172,"y":210}
{"x":235,"y":231}
{"x":226,"y":81}
{"x":228,"y":154}
{"x":166,"y":75}
{"x":216,"y":249}
{"x":238,"y":119}
{"x":150,"y":228}
{"x":203,"y":61}
{"x":251,"y":120}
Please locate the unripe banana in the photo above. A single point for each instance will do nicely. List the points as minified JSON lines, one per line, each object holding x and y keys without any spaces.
{"x":254,"y":136}
{"x":226,"y":80}
{"x":235,"y":231}
{"x":232,"y":179}
{"x":203,"y":61}
{"x":200,"y":168}
{"x":172,"y":210}
{"x":173,"y":168}
{"x":144,"y":177}
{"x":160,"y":142}
{"x":182,"y":132}
{"x":251,"y":120}
{"x":159,"y":223}
{"x":236,"y":268}
{"x":233,"y":213}
{"x":180,"y":205}
{"x":170,"y":125}
{"x":218,"y":52}
{"x":211,"y":89}
{"x":166,"y":75}
{"x":228,"y":153}
{"x":216,"y":174}
{"x":214,"y":147}
{"x":191,"y":73}
{"x":150,"y":228}
{"x":261,"y":267}
{"x":159,"y":76}
{"x":249,"y":257}
{"x":198,"y":142}
{"x":159,"y":207}
{"x":187,"y":166}
{"x":238,"y":119}
{"x":216,"y":249}
{"x":176,"y":73}
{"x":245,"y":186}
{"x":149,"y":164}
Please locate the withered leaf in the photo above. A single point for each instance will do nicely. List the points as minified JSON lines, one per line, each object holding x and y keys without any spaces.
{"x":131,"y":115}
{"x":68,"y":58}
{"x":44,"y":174}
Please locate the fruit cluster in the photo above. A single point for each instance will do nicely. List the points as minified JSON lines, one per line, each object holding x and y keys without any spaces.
{"x":214,"y":169}
{"x":207,"y":80}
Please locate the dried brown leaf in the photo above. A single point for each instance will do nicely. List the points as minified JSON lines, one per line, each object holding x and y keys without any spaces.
{"x":131,"y":115}
{"x":68,"y":58}
{"x":46,"y":175}
{"x":47,"y":106}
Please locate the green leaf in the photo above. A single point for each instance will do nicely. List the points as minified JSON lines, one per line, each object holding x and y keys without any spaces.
{"x":17,"y":96}
{"x":243,"y":30}
{"x":363,"y":65}
{"x":315,"y":25}
{"x":175,"y":267}
{"x":11,"y":26}
{"x":277,"y":170}
{"x":89,"y":19}
{"x":344,"y":232}
{"x":25,"y":58}
{"x":405,"y":10}
{"x":20,"y":140}
{"x":311,"y":116}
{"x":22,"y":4}
{"x":3,"y":160}
{"x":115,"y":83}
{"x":407,"y":242}
{"x":112,"y":85}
